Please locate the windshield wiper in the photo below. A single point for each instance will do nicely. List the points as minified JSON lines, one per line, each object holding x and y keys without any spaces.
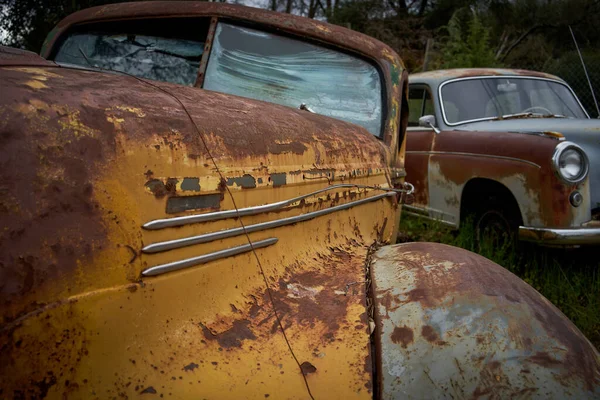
{"x":528,"y":115}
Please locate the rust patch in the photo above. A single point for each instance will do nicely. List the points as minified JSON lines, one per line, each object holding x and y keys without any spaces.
{"x":429,"y":334}
{"x":308,"y":368}
{"x":544,"y":359}
{"x":190,"y":367}
{"x":157,"y":188}
{"x":232,"y":337}
{"x":148,"y":390}
{"x":403,"y":336}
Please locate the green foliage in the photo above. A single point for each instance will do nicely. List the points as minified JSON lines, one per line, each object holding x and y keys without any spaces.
{"x":569,"y":278}
{"x":468,"y":44}
{"x":26,"y":23}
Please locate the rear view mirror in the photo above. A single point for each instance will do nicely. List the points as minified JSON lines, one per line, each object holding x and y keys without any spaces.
{"x":428,"y":121}
{"x":507,"y":87}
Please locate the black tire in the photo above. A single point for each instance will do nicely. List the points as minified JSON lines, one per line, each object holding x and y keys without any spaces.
{"x":495,"y":225}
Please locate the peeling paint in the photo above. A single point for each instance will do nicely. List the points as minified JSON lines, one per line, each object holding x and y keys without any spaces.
{"x":246,"y":181}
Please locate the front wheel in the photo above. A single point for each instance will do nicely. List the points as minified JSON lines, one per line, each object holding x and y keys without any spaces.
{"x":495,"y":227}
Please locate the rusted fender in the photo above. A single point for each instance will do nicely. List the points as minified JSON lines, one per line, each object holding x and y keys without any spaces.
{"x":453,"y":324}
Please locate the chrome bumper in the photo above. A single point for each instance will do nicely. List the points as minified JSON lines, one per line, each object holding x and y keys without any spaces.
{"x":587,"y":234}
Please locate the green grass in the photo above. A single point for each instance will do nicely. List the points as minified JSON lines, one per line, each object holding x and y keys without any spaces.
{"x":569,"y":278}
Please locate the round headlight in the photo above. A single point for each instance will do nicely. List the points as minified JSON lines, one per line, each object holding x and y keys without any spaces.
{"x":570,"y":161}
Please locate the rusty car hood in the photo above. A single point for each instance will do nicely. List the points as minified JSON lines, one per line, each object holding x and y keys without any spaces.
{"x":18,"y":57}
{"x":584,"y":132}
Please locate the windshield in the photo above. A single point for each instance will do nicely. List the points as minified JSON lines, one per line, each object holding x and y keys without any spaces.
{"x":167,"y":50}
{"x":263,"y":66}
{"x":489,"y":98}
{"x":151,"y":57}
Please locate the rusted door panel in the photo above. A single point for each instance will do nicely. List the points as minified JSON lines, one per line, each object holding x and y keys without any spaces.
{"x":81,"y":318}
{"x":453,"y":324}
{"x":418,"y":146}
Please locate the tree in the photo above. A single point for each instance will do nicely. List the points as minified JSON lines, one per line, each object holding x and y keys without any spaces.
{"x":468,"y":43}
{"x":27,"y":22}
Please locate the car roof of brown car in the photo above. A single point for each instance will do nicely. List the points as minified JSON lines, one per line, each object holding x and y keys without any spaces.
{"x":442,"y":75}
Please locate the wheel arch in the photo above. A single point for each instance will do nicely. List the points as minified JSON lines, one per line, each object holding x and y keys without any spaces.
{"x":482,"y":189}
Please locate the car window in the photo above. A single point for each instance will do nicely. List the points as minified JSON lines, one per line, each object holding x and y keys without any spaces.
{"x":419,"y":103}
{"x":265,"y":66}
{"x":166,"y":50}
{"x":485,"y":98}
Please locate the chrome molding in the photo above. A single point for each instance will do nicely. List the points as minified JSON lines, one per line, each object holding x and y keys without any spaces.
{"x":242,"y":212}
{"x":458,"y":153}
{"x":227,"y":233}
{"x":190,"y":262}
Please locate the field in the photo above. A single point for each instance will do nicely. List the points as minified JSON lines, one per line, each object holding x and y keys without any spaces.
{"x":569,"y":278}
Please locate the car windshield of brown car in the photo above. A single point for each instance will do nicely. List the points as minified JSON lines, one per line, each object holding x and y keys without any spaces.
{"x":166,"y":50}
{"x":269,"y":67}
{"x":478,"y":99}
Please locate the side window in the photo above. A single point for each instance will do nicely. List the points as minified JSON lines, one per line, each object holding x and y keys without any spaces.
{"x":166,"y":50}
{"x":420,"y":103}
{"x":265,"y":66}
{"x":415,"y":105}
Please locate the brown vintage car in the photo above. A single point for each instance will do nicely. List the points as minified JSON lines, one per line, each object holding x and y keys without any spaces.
{"x":514,"y":149}
{"x":200,"y":200}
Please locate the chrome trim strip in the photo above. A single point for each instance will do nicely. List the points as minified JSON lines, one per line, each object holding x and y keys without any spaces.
{"x":441,"y":103}
{"x":569,"y":236}
{"x":423,"y":213}
{"x":242,"y":212}
{"x":203,"y":259}
{"x":458,"y":153}
{"x":209,"y":237}
{"x":418,"y":128}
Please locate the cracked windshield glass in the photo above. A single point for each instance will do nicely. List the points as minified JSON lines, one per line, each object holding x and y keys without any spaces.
{"x":166,"y":59}
{"x":267,"y":67}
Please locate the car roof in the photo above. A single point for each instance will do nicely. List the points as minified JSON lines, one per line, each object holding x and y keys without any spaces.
{"x":296,"y":25}
{"x":438,"y":76}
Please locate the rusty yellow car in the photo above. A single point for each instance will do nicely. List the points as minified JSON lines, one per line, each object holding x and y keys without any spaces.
{"x":201,"y":200}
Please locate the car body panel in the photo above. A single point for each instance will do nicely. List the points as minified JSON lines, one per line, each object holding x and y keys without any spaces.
{"x":516,"y":153}
{"x":103,"y":162}
{"x":456,"y":325}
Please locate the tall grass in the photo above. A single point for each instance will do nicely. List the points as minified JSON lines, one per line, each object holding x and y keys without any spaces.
{"x":569,"y":278}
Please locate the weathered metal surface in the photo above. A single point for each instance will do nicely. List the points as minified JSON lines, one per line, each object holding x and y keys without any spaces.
{"x":102,"y":155}
{"x":18,"y":57}
{"x":519,"y":162}
{"x":447,"y":74}
{"x":453,"y":324}
{"x":417,"y":161}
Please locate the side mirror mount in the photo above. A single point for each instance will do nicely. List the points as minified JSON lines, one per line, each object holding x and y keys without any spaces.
{"x":428,"y":121}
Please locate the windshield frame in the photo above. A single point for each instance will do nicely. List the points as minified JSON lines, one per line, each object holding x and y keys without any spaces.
{"x":443,"y":111}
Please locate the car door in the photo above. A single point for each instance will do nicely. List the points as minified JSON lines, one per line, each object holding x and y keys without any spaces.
{"x":418,"y":147}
